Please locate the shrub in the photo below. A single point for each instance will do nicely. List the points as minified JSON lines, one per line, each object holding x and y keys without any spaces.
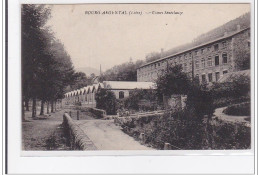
{"x":225,"y":101}
{"x":199,"y":101}
{"x":106,"y":100}
{"x":173,"y":81}
{"x":139,"y":99}
{"x":237,"y":87}
{"x":183,"y":131}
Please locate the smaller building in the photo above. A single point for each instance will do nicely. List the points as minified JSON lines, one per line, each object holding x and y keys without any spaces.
{"x":122,"y":88}
{"x":86,"y":95}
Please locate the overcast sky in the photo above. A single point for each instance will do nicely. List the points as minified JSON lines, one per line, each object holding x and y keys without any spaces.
{"x":108,"y":40}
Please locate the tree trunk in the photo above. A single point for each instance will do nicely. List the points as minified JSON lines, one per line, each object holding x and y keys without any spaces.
{"x":23,"y":113}
{"x":55,"y":106}
{"x":27,"y":104}
{"x":48,"y":107}
{"x":52,"y":110}
{"x":34,"y":108}
{"x":42,"y":108}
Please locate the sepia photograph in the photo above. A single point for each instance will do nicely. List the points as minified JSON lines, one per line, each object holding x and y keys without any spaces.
{"x":136,"y":77}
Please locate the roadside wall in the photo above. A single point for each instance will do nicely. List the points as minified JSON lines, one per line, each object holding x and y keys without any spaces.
{"x":77,"y":138}
{"x":99,"y":113}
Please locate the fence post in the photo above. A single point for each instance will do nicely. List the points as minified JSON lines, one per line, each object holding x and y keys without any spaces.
{"x":70,"y":113}
{"x":77,"y":115}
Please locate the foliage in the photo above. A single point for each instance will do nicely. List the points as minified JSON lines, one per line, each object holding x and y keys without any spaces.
{"x":238,"y":87}
{"x":46,"y":66}
{"x":200,"y":102}
{"x":139,"y":99}
{"x":123,"y":72}
{"x":106,"y":100}
{"x":152,"y":56}
{"x":241,"y":54}
{"x":185,"y":132}
{"x":173,"y":81}
{"x":238,"y":110}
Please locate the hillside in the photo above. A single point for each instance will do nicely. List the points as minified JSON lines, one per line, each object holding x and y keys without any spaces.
{"x":243,"y":21}
{"x":88,"y":70}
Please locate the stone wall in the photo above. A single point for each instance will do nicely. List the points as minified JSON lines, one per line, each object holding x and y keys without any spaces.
{"x":99,"y":113}
{"x":77,"y":138}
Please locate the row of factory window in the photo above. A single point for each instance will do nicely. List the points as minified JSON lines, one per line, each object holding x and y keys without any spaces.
{"x":210,"y":76}
{"x":179,"y":58}
{"x":202,"y":63}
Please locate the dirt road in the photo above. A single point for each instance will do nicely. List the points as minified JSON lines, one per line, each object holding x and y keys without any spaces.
{"x":241,"y":119}
{"x":107,"y":136}
{"x":44,"y":134}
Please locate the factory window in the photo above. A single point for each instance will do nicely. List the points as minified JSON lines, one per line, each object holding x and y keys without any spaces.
{"x":224,"y":44}
{"x":209,"y":61}
{"x":197,"y":65}
{"x":190,"y":54}
{"x":202,"y":50}
{"x":248,"y":44}
{"x":180,"y":59}
{"x":203,"y":63}
{"x":197,"y":77}
{"x":203,"y":78}
{"x":217,"y":76}
{"x":185,"y":67}
{"x":121,"y":94}
{"x":196,"y":52}
{"x":210,"y":77}
{"x":216,"y":47}
{"x":224,"y":57}
{"x":158,"y":64}
{"x":225,"y":72}
{"x":216,"y":60}
{"x":208,"y":48}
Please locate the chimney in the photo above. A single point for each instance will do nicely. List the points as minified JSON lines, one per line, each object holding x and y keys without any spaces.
{"x":238,"y":27}
{"x":161,"y":52}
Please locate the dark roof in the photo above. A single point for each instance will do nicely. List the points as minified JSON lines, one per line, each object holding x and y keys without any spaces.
{"x":196,"y":47}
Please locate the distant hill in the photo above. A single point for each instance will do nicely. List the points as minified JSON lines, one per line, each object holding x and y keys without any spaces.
{"x":88,"y":70}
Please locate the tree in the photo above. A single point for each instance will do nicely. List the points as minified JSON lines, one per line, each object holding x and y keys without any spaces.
{"x":34,"y":17}
{"x":242,"y":57}
{"x":123,"y":72}
{"x":152,"y":57}
{"x":234,"y":87}
{"x":173,"y":81}
{"x":106,"y":100}
{"x":200,"y":101}
{"x":46,"y":67}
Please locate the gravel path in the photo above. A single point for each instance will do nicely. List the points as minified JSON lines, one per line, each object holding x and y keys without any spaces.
{"x":40,"y":134}
{"x":219,"y":114}
{"x":107,"y":136}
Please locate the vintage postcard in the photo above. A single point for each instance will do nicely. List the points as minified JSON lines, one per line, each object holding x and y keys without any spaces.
{"x":136,"y":77}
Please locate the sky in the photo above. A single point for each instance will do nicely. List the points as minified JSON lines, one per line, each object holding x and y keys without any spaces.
{"x":111,"y":39}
